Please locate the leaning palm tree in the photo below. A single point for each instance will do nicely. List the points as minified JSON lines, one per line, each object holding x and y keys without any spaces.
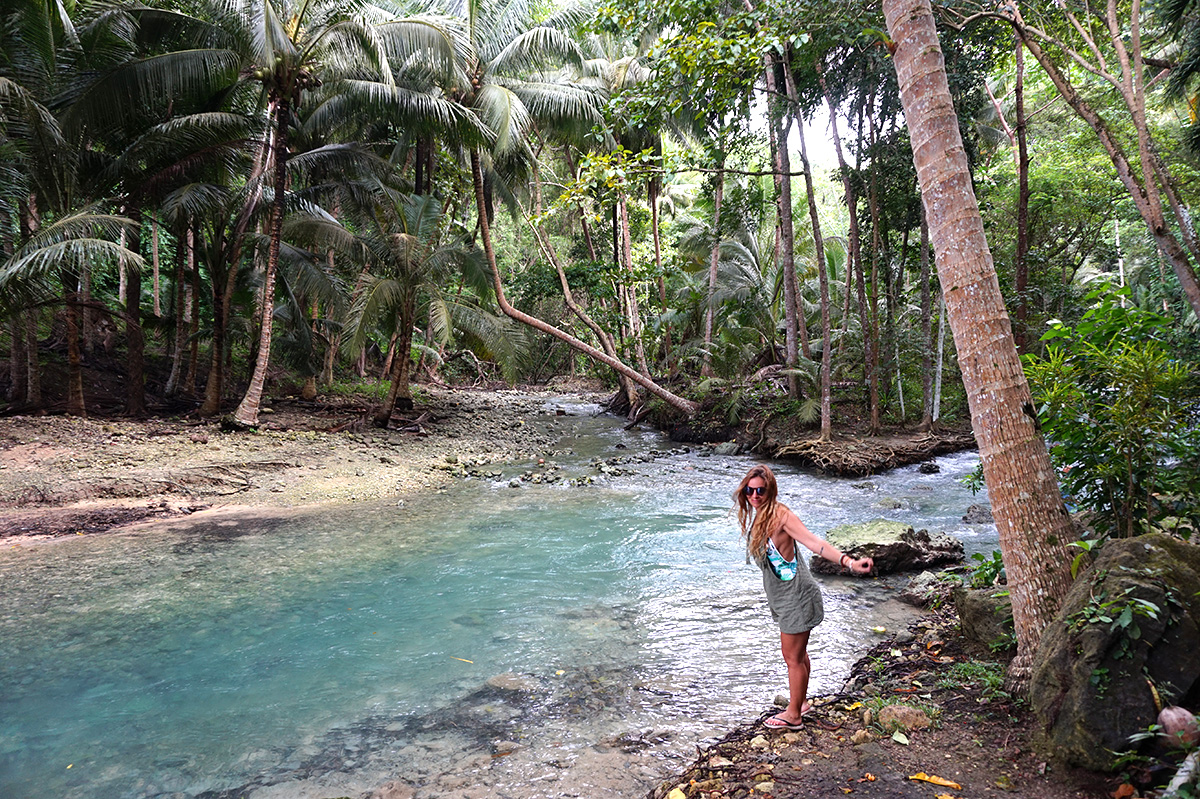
{"x":507,"y":79}
{"x":296,"y":46}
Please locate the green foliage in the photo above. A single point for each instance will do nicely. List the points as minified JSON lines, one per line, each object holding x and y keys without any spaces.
{"x":988,"y":675}
{"x":974,"y":480}
{"x":1086,"y":548}
{"x":987,"y":571}
{"x":1121,"y":612}
{"x":1120,"y":411}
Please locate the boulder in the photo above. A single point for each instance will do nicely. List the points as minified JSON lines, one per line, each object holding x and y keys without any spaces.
{"x":894,"y":546}
{"x":1130,"y":620}
{"x":923,"y":589}
{"x":985,"y":616}
{"x":727,"y":448}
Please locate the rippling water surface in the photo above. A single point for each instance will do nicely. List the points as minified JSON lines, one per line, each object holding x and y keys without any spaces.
{"x":490,"y":640}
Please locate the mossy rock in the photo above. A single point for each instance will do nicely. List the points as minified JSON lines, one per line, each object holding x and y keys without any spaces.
{"x":1093,"y":670}
{"x":894,"y":546}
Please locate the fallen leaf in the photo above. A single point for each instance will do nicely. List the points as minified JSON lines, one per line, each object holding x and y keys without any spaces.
{"x":869,"y":777}
{"x":900,"y":738}
{"x":879,"y":629}
{"x":1124,"y":792}
{"x":945,"y":796}
{"x":676,"y":794}
{"x":945,"y":783}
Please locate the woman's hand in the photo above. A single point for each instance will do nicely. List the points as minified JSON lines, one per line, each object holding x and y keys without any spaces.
{"x":861,"y":566}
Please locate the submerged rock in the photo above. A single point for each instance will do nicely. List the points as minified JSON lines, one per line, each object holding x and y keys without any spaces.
{"x":508,"y":681}
{"x":894,"y":546}
{"x":1128,"y":622}
{"x":978,"y":514}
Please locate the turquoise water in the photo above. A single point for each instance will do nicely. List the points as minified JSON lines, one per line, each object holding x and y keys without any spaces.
{"x":239,"y":654}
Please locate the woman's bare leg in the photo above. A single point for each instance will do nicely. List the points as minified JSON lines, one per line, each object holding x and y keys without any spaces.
{"x":795,"y":655}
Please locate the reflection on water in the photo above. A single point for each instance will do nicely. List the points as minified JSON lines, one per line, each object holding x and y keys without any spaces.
{"x":544,"y":640}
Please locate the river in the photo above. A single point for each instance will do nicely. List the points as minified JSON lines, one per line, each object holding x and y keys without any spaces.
{"x":497,"y":638}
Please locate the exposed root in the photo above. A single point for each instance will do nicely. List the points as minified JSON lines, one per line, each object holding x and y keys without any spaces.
{"x":861,"y":457}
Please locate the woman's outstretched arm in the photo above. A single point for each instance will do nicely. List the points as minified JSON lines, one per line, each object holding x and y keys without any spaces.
{"x":796,"y":529}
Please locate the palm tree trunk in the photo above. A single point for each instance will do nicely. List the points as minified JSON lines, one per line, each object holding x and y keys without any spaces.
{"x":652,"y":195}
{"x":823,"y":278}
{"x":939,"y":368}
{"x":75,"y":402}
{"x":926,"y":332}
{"x":247,"y":411}
{"x":1033,"y":524}
{"x":191,"y":299}
{"x":786,"y":236}
{"x":854,"y":266}
{"x":706,"y":369}
{"x":33,"y":369}
{"x":398,"y":395}
{"x":1021,"y":265}
{"x":156,"y":288}
{"x":17,"y":374}
{"x":877,"y":343}
{"x":686,"y":406}
{"x":178,"y":301}
{"x":135,"y":339}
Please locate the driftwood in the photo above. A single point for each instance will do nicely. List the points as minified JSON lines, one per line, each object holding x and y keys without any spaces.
{"x":861,"y":457}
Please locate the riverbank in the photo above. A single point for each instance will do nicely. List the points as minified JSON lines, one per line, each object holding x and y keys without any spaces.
{"x":64,"y":475}
{"x":958,"y":735}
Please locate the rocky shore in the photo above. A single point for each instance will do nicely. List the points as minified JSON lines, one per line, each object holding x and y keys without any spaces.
{"x":922,"y":715}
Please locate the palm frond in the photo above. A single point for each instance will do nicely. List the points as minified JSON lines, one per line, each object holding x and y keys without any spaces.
{"x":505,"y":115}
{"x":536,"y":48}
{"x":439,"y":41}
{"x":136,"y":87}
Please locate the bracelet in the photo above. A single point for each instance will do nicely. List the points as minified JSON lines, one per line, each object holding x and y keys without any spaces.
{"x":842,"y":560}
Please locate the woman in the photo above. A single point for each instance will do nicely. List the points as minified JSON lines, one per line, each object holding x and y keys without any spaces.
{"x":772,"y":533}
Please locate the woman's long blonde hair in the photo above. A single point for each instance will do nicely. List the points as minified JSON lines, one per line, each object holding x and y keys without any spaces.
{"x":757,"y":526}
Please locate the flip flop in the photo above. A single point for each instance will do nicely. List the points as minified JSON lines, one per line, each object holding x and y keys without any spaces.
{"x":777,"y":723}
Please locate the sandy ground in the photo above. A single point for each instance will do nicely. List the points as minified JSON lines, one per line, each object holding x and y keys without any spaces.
{"x":69,"y":476}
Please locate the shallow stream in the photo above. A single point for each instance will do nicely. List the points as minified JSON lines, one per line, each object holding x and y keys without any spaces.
{"x":493,"y":639}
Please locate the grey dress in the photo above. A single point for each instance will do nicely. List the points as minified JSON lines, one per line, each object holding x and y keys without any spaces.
{"x":796,"y":603}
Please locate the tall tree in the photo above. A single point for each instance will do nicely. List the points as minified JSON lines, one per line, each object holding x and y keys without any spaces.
{"x":1033,"y":524}
{"x":1103,"y":42}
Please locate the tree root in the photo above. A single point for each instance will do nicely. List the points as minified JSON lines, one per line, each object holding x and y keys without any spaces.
{"x":861,"y":457}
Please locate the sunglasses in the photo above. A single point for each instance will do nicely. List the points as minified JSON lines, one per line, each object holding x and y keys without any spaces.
{"x":759,"y":491}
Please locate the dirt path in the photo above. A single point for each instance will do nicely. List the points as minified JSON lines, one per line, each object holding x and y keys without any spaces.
{"x":64,"y":475}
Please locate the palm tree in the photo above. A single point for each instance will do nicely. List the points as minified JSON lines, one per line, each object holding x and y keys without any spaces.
{"x":409,"y":252}
{"x":500,"y":84}
{"x":1034,"y":526}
